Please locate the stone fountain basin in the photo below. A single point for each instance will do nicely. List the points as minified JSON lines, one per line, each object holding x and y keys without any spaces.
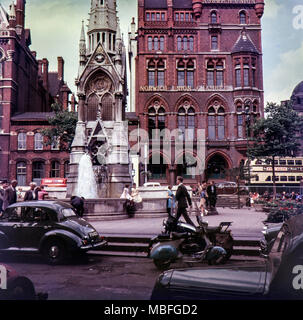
{"x":112,"y":209}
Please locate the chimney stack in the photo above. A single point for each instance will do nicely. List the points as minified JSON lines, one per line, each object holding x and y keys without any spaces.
{"x":60,"y":68}
{"x":45,"y":73}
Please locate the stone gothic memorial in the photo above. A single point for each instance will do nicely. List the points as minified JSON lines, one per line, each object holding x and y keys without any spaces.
{"x":101,"y":141}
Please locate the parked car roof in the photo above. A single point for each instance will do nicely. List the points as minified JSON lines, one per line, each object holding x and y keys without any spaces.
{"x":45,"y":204}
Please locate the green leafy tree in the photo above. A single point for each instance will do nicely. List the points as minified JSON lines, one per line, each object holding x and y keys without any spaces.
{"x":278,"y":135}
{"x":63,"y":127}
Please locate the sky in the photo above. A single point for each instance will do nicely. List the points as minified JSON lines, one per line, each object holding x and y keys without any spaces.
{"x":56,"y":24}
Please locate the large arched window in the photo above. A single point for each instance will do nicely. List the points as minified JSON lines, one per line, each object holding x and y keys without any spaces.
{"x":186,"y":121}
{"x":107,"y":107}
{"x":92,"y":107}
{"x":21,"y":173}
{"x":215,"y":73}
{"x":186,"y":73}
{"x":216,"y":122}
{"x":156,"y":119}
{"x":216,"y":167}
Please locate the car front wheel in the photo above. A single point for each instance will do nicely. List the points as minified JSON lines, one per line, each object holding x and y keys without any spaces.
{"x":54,"y":252}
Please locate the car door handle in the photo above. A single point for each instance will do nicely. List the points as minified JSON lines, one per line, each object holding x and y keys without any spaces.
{"x":17,"y":226}
{"x":47,"y":227}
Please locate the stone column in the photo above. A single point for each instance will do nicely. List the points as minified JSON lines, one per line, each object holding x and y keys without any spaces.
{"x":81,"y":107}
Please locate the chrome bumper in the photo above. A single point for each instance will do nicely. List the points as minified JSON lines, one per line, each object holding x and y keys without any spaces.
{"x":94,"y":246}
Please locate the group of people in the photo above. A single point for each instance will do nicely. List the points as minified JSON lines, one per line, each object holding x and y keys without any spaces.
{"x":206,"y":192}
{"x":208,"y":196}
{"x":132,"y":198}
{"x":10,"y":195}
{"x":284,"y":196}
{"x":35,"y":193}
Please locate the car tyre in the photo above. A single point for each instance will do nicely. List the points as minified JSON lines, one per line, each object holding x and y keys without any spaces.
{"x":54,"y":252}
{"x":162,"y":265}
{"x":21,"y":288}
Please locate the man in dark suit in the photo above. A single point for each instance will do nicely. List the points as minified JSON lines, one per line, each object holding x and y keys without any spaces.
{"x":30,"y":195}
{"x":78,"y":204}
{"x":212,"y":194}
{"x":183,"y":199}
{"x":10,"y":195}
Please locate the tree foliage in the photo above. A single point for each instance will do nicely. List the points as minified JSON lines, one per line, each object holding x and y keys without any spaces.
{"x":277,"y":135}
{"x":63,"y":126}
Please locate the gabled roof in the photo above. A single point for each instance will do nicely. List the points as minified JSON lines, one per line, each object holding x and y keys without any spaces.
{"x":99,"y":50}
{"x":244,"y":44}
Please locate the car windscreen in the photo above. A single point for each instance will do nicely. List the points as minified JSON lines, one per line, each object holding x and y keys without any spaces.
{"x":67,"y":213}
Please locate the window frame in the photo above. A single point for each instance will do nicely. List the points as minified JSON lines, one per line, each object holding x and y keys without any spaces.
{"x":23,"y":147}
{"x":39,"y":143}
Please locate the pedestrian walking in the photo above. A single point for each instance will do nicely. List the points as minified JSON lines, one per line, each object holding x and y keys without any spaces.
{"x":10,"y":195}
{"x":170,"y":202}
{"x":212,"y":195}
{"x":202,"y":204}
{"x":30,"y":195}
{"x":78,"y":205}
{"x":184,"y":200}
{"x":204,"y":186}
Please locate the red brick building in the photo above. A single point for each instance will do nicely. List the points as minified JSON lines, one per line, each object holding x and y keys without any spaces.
{"x":27,"y":90}
{"x":198,"y":68}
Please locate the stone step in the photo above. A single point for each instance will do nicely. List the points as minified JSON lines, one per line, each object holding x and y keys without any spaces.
{"x":139,"y":245}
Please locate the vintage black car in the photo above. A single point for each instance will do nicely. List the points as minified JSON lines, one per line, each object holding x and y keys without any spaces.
{"x":278,"y":276}
{"x":50,"y":228}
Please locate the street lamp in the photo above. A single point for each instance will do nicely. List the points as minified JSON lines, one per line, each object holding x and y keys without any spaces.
{"x":247,"y":121}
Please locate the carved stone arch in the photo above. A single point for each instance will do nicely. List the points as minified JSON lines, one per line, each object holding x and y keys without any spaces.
{"x":107,"y":107}
{"x":216,"y":101}
{"x":156,"y":101}
{"x":186,"y":101}
{"x":99,"y":82}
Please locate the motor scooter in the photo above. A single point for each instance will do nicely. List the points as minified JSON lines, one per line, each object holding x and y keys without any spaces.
{"x":191,"y":244}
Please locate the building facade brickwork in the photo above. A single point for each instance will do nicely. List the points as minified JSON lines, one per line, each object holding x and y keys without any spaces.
{"x":198,"y":69}
{"x":27,"y":90}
